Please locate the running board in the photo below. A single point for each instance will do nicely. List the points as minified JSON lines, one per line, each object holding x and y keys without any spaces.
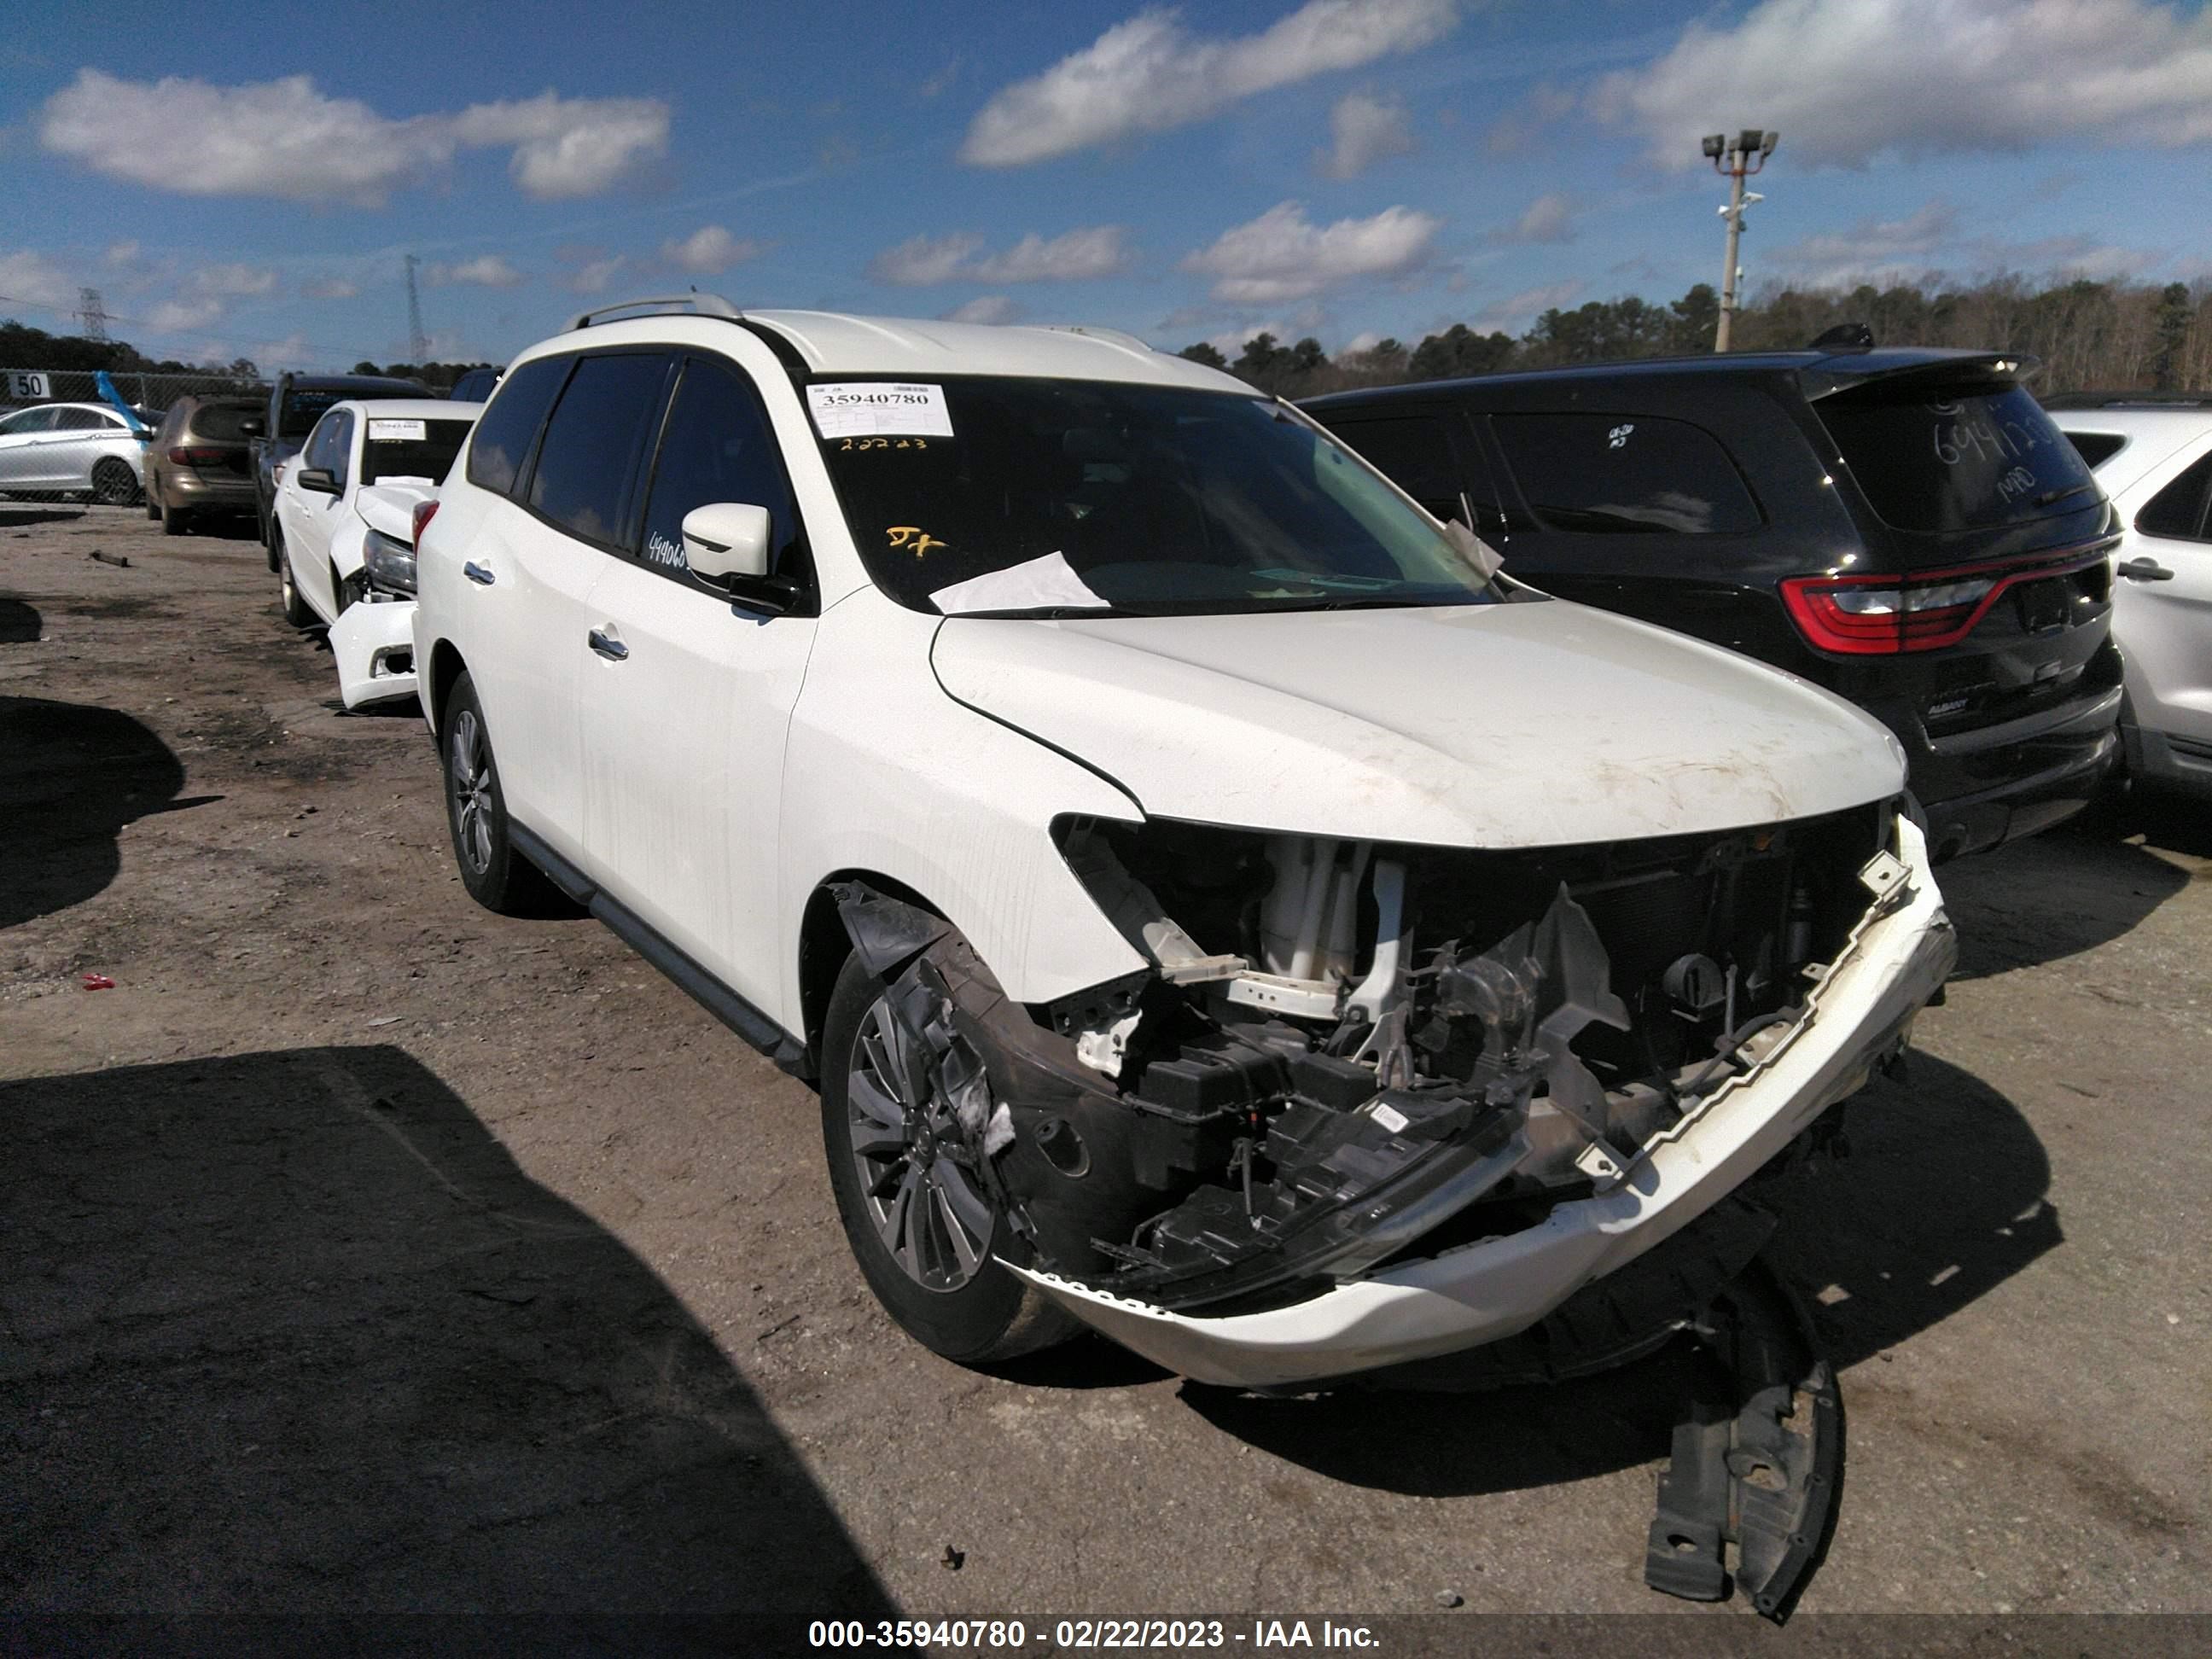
{"x":696,"y":981}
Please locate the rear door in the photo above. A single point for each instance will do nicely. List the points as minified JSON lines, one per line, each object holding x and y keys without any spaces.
{"x":536,"y":561}
{"x":20,"y":435}
{"x":82,"y":436}
{"x":685,"y":700}
{"x":2162,"y":606}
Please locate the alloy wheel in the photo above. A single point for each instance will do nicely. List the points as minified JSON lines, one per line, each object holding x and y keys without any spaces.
{"x":471,"y":770}
{"x":916,"y":1172}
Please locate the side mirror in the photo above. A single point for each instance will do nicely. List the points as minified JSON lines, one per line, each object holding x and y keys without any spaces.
{"x":321,"y":480}
{"x":724,"y":540}
{"x":252,"y":427}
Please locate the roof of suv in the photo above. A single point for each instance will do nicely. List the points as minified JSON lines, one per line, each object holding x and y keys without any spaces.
{"x":833,"y":342}
{"x":1822,"y":371}
{"x":350,"y":384}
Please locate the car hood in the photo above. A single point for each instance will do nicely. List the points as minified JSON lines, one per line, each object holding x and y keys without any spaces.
{"x":390,"y":507}
{"x":1516,"y":725}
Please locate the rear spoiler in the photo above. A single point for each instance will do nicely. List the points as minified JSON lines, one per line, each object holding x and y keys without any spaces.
{"x":1995,"y":369}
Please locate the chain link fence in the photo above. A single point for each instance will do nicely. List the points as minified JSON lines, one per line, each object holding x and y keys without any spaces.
{"x":149,"y":394}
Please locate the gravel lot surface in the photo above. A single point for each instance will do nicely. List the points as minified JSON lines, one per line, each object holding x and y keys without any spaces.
{"x":361,"y":1251}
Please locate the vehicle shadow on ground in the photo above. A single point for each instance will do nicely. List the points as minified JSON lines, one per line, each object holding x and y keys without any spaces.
{"x":291,"y":1332}
{"x":2052,"y":895}
{"x":1941,"y":1201}
{"x":71,"y":775}
{"x":19,"y":623}
{"x":21,"y":515}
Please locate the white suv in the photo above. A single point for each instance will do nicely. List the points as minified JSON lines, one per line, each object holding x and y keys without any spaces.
{"x":2153,"y":457}
{"x":1217,"y":906}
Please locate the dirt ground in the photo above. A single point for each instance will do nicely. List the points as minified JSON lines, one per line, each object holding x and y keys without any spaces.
{"x":363,"y":1251}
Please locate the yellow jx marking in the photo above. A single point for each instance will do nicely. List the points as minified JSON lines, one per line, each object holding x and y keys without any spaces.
{"x":911,"y":536}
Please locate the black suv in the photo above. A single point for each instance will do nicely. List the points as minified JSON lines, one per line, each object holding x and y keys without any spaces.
{"x":297,"y":402}
{"x":1906,"y":528}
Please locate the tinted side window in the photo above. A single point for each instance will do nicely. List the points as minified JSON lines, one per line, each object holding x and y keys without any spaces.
{"x":716,"y":446}
{"x":84,"y":420}
{"x":587,"y":463}
{"x":504,"y":434}
{"x":2097,"y":447}
{"x":1415,"y":453}
{"x":340,"y":448}
{"x":2178,"y":510}
{"x":316,"y":452}
{"x":1624,"y":474}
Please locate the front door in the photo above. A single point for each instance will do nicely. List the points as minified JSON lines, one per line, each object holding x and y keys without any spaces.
{"x":308,"y":518}
{"x":2162,"y":606}
{"x":686,"y":699}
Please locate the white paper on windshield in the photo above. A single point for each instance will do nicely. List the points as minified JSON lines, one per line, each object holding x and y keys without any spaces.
{"x":1048,"y":582}
{"x":873,"y":409}
{"x":397,"y":431}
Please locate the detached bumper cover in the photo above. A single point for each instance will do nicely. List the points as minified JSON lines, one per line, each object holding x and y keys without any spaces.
{"x":1859,"y":1014}
{"x":374,"y":644}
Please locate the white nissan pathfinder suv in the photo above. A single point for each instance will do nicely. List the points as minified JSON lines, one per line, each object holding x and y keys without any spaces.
{"x":1217,"y":906}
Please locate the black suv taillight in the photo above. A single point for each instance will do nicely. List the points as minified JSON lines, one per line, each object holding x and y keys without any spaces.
{"x":1875,"y":615}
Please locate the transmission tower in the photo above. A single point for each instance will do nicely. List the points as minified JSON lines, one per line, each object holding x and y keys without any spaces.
{"x":418,"y":344}
{"x":92,"y":312}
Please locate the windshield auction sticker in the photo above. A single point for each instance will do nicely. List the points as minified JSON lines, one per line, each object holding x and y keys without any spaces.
{"x":397,"y":432}
{"x":869,"y":409}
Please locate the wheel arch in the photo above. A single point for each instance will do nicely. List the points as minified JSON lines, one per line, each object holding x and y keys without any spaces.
{"x":445,"y":667}
{"x":823,"y":945}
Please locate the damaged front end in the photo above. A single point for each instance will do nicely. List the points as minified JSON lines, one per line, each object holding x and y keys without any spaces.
{"x":1370,"y":1104}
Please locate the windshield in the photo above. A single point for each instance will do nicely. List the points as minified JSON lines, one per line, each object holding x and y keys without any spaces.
{"x":410,"y":449}
{"x":1936,"y":460}
{"x":1006,"y":497}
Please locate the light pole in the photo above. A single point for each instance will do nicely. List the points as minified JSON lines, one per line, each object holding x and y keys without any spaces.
{"x":1739,"y":158}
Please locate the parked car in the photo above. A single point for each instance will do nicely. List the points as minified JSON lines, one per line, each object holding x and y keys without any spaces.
{"x":475,"y":386}
{"x":344,"y":540}
{"x":2153,"y":457}
{"x":297,"y":402}
{"x":199,"y":461}
{"x":71,"y":449}
{"x":1214,"y":907}
{"x":1904,"y":527}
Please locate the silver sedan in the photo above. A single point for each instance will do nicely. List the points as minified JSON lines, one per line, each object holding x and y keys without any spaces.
{"x":72,"y":448}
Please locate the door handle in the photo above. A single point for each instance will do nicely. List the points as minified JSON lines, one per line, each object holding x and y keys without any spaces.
{"x":2143,"y":570}
{"x":607,"y":645}
{"x":480,"y":574}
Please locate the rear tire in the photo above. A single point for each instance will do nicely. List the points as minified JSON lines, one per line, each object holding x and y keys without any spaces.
{"x":296,"y":611}
{"x":920,"y":1224}
{"x":497,"y":877}
{"x":173,"y":521}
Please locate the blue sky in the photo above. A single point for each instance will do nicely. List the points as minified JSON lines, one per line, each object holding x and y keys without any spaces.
{"x":247,"y":181}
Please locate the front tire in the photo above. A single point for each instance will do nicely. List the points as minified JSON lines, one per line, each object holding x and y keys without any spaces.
{"x":113,"y":484}
{"x":497,"y":877}
{"x":921,"y":1223}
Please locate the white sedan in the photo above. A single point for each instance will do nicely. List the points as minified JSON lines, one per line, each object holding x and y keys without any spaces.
{"x":71,"y":449}
{"x":346,"y":506}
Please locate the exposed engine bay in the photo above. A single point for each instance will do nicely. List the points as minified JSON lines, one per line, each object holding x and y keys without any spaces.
{"x":1345,"y":1056}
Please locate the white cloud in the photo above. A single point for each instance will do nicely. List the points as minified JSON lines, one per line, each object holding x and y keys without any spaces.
{"x":1847,"y":81}
{"x":1516,"y":312}
{"x":1364,"y":130}
{"x":328,"y":288}
{"x":287,"y":139}
{"x":1869,"y":244}
{"x":1365,"y":340}
{"x":32,"y":279}
{"x":593,"y":276}
{"x":1149,"y":74}
{"x":234,"y":282}
{"x":1549,"y":218}
{"x":1927,"y":243}
{"x":923,"y":261}
{"x":292,"y":351}
{"x":708,"y":251}
{"x":984,"y":308}
{"x":1230,"y":344}
{"x":1282,"y":256}
{"x":485,"y":270}
{"x":183,"y":316}
{"x":122,"y":253}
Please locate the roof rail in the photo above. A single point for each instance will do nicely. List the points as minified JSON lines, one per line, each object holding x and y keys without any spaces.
{"x":705,"y":304}
{"x":2145,"y":399}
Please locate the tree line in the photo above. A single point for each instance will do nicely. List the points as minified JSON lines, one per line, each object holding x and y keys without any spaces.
{"x":24,"y":347}
{"x":2105,"y":335}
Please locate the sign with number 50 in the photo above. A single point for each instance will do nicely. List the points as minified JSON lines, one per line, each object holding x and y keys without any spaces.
{"x":22,"y":385}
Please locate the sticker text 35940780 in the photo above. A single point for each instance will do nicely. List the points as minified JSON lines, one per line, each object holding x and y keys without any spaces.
{"x":871,"y":409}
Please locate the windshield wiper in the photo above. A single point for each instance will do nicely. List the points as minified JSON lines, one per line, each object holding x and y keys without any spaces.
{"x":2050,"y":495}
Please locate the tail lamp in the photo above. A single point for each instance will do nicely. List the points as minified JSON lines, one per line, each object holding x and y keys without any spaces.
{"x":1882,"y":615}
{"x":424,"y":512}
